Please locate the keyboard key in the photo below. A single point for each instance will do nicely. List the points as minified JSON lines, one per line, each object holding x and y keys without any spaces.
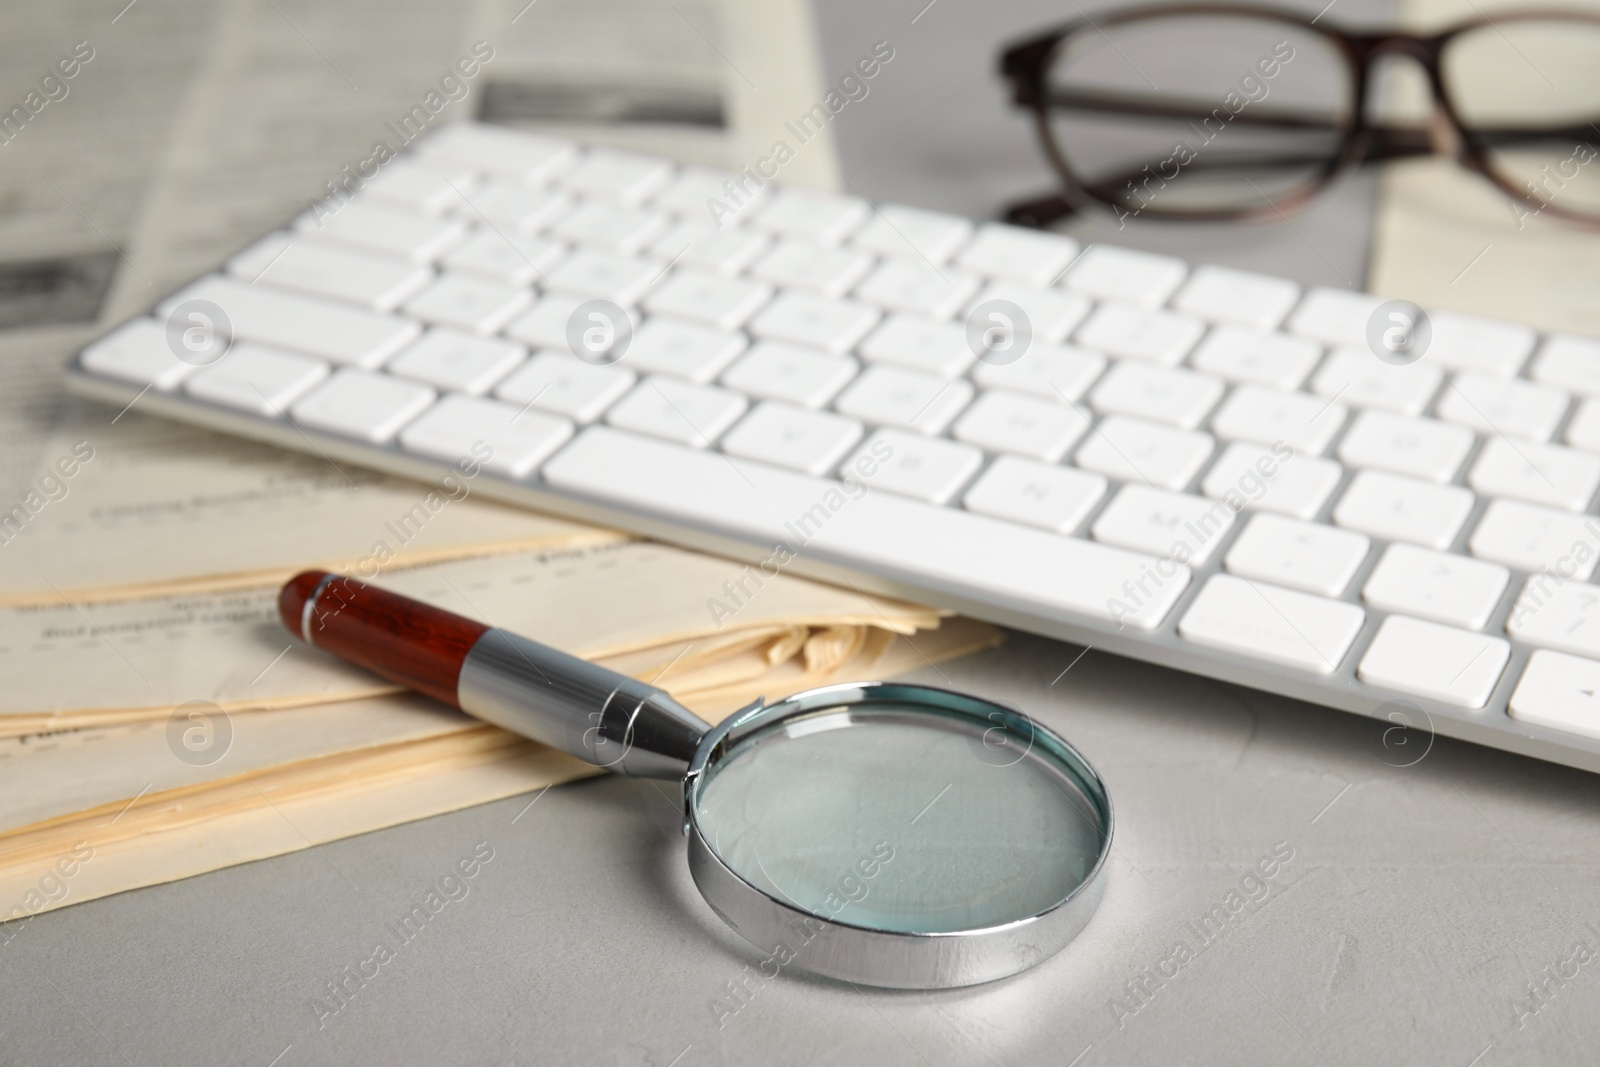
{"x":1121,"y":274}
{"x":688,"y":192}
{"x":603,"y":276}
{"x":1258,"y":478}
{"x":1437,"y":662}
{"x":812,"y":442}
{"x":1276,"y":360}
{"x":529,"y":157}
{"x":693,"y":415}
{"x":454,"y":169}
{"x":1032,"y":569}
{"x":505,"y":258}
{"x":1494,"y":405}
{"x":920,"y":344}
{"x":1018,"y":255}
{"x":1261,"y":621}
{"x":800,"y":376}
{"x":924,"y":468}
{"x":1540,"y":474}
{"x":515,"y":209}
{"x":894,"y":396}
{"x":1393,"y":508}
{"x":812,"y":216}
{"x":456,"y":361}
{"x":1466,"y":342}
{"x":721,"y":302}
{"x":1038,"y":494}
{"x":360,"y":404}
{"x":914,"y":286}
{"x":911,"y":233}
{"x":374,"y":282}
{"x":316,"y":327}
{"x":1569,"y":362}
{"x":1178,"y":397}
{"x":418,"y":187}
{"x":1169,"y":525}
{"x":257,"y":379}
{"x":682,"y":349}
{"x":1560,"y":692}
{"x":1421,"y":448}
{"x":1153,"y":336}
{"x":611,"y":227}
{"x":1021,"y":425}
{"x":1305,"y":423}
{"x":813,"y":268}
{"x":1056,"y":372}
{"x":1551,"y":613}
{"x":469,"y":304}
{"x":457,"y":427}
{"x":1362,"y":380}
{"x":1221,"y":294}
{"x":557,"y":382}
{"x":1437,"y":586}
{"x":1531,"y":538}
{"x":1297,"y":555}
{"x":138,"y":352}
{"x":385,"y":230}
{"x":1052,"y":313}
{"x":545,"y":324}
{"x":1132,"y":450}
{"x":1335,"y":317}
{"x":1584,"y":429}
{"x":717,"y":251}
{"x":831,"y":325}
{"x":625,"y":177}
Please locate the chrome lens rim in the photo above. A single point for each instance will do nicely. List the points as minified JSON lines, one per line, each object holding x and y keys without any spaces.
{"x":795,"y":937}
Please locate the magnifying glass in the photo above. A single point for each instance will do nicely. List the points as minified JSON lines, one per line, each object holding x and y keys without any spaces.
{"x":892,"y":835}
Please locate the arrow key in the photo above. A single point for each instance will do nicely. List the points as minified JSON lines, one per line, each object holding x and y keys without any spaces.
{"x":1437,"y":586}
{"x":1561,"y":692}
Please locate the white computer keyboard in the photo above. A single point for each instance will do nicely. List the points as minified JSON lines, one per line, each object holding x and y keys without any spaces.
{"x":1199,"y":467}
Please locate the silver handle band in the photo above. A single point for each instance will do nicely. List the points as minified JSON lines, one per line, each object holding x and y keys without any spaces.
{"x":588,"y":711}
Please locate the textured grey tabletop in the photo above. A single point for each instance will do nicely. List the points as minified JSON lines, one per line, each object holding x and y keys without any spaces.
{"x":1431,"y":902}
{"x":1416,"y":906}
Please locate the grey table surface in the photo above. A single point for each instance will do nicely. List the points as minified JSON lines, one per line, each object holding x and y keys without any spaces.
{"x":1431,"y":886}
{"x":1418,"y":904}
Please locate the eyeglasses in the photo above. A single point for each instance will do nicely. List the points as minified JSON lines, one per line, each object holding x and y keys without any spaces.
{"x":1237,"y":112}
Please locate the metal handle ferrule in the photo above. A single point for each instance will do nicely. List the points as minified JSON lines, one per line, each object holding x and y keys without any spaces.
{"x":598,"y":715}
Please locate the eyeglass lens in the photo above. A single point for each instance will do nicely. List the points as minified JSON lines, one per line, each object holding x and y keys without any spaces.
{"x":1528,"y":92}
{"x":1193,"y":113}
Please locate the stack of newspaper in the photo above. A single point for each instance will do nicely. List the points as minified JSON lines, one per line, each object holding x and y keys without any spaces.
{"x":157,"y":721}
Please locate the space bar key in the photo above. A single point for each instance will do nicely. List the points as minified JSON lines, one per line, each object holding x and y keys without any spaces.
{"x":943,"y":549}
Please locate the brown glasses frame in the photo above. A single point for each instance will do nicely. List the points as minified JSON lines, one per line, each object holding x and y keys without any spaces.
{"x":1026,"y":64}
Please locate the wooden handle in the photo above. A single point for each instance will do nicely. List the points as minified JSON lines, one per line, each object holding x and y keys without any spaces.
{"x":404,"y":640}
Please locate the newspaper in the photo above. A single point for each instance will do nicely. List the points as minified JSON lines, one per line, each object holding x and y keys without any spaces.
{"x":66,"y":664}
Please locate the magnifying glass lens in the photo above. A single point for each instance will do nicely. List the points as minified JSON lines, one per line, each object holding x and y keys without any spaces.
{"x":894,"y":819}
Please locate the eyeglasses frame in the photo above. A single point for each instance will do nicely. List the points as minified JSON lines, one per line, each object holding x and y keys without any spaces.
{"x":1025,"y":65}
